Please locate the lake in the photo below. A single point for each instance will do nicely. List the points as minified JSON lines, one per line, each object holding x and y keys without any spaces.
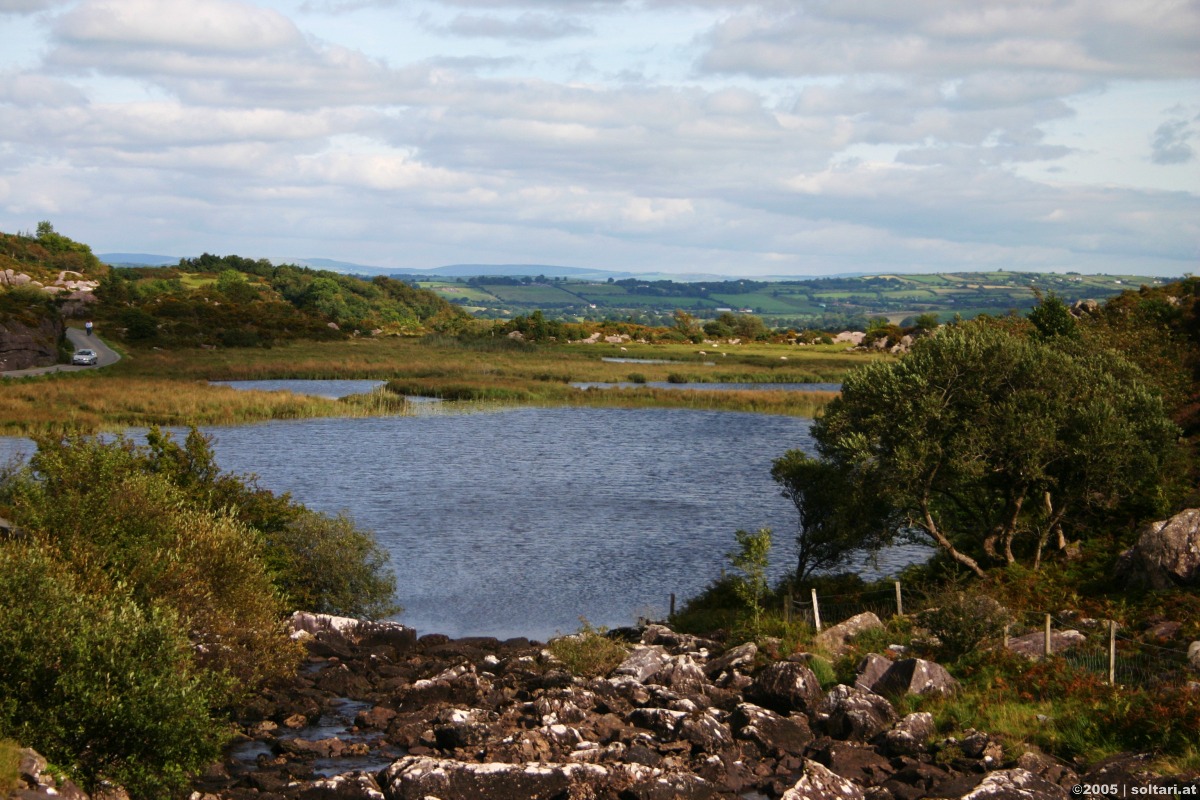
{"x":518,"y":522}
{"x":714,"y":387}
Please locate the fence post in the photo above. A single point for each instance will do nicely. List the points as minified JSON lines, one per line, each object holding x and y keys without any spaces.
{"x":899,"y":601}
{"x":1006,"y":627}
{"x":1112,"y":652}
{"x":1049,"y":649}
{"x":672,"y":604}
{"x":787,"y":607}
{"x":816,"y":612}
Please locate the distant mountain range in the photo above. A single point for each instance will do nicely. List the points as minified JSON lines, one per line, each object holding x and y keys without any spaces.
{"x":448,"y":271}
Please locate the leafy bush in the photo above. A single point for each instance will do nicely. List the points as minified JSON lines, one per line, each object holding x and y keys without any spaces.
{"x":98,"y":683}
{"x":122,"y":527}
{"x":328,"y":565}
{"x":318,"y":563}
{"x":963,"y":621}
{"x":588,"y":652}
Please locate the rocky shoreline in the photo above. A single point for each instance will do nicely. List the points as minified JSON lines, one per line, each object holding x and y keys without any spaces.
{"x":382,"y":714}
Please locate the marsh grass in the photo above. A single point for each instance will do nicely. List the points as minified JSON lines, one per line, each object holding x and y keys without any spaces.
{"x":93,"y":402}
{"x":160,"y":387}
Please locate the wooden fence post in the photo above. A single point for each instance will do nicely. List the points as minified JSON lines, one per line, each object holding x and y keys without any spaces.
{"x":1006,"y":627}
{"x":816,"y":612}
{"x":787,"y":607}
{"x":672,"y":604}
{"x":1112,"y":652}
{"x":899,"y":601}
{"x":1049,"y":648}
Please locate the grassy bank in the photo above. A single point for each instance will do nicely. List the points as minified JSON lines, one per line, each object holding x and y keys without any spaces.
{"x":94,"y":401}
{"x":164,"y":387}
{"x":1063,"y":706}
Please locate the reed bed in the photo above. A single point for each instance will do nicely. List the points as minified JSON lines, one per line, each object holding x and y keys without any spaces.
{"x":171,"y":387}
{"x":763,"y":401}
{"x":88,"y":402}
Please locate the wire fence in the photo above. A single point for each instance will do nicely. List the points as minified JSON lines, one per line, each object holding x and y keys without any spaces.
{"x":1097,"y":646}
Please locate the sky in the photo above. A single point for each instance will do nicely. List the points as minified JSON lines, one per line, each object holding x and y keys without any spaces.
{"x":785,"y":137}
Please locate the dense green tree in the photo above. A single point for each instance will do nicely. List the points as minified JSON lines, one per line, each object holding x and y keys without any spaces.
{"x":1051,"y":317}
{"x":988,"y":443}
{"x":828,"y":529}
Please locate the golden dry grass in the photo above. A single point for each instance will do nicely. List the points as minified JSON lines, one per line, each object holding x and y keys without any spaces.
{"x":171,"y":387}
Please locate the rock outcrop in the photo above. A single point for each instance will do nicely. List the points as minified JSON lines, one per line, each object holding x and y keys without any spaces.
{"x":378,"y":713}
{"x":1167,"y":553}
{"x":26,"y":343}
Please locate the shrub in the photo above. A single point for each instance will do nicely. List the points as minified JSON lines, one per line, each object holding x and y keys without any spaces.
{"x":98,"y":683}
{"x":588,"y":652}
{"x":125,"y":529}
{"x":963,"y":621}
{"x":328,"y":565}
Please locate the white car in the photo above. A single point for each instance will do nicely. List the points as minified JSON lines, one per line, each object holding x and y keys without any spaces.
{"x":84,"y":357}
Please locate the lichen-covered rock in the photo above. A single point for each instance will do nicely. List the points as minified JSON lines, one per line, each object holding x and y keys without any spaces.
{"x":871,"y":669}
{"x":1033,"y":645}
{"x":786,"y":686}
{"x":819,"y":783}
{"x":911,"y":734}
{"x":739,"y":656}
{"x":1167,"y":553}
{"x":643,"y":663}
{"x":834,"y":638}
{"x":1016,"y":784}
{"x":772,"y":732}
{"x":682,"y":674}
{"x":916,"y":676}
{"x":848,"y":712}
{"x":706,"y":733}
{"x":418,"y":777}
{"x":350,"y":786}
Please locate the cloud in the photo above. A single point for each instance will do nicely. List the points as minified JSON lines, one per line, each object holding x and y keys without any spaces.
{"x":526,"y":27}
{"x":29,"y":6}
{"x":1151,"y":38}
{"x":221,"y":52}
{"x":28,"y":89}
{"x":823,"y":136}
{"x":1171,"y":143}
{"x":203,"y":26}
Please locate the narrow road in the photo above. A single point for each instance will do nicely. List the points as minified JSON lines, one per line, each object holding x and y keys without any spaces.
{"x":79,"y":340}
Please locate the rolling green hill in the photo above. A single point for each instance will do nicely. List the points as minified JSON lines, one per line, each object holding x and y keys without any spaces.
{"x":828,"y":301}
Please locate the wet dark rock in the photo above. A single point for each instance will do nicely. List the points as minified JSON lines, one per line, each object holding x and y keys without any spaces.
{"x":1015,"y":784}
{"x":741,"y":656}
{"x":786,"y":686}
{"x":1167,"y":553}
{"x":915,"y":676}
{"x":848,"y":712}
{"x":819,"y":783}
{"x":910,"y":736}
{"x":773,"y":733}
{"x":858,"y":763}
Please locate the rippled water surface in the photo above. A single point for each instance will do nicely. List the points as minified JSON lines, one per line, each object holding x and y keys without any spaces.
{"x":320,"y":388}
{"x":519,"y":522}
{"x":715,"y":387}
